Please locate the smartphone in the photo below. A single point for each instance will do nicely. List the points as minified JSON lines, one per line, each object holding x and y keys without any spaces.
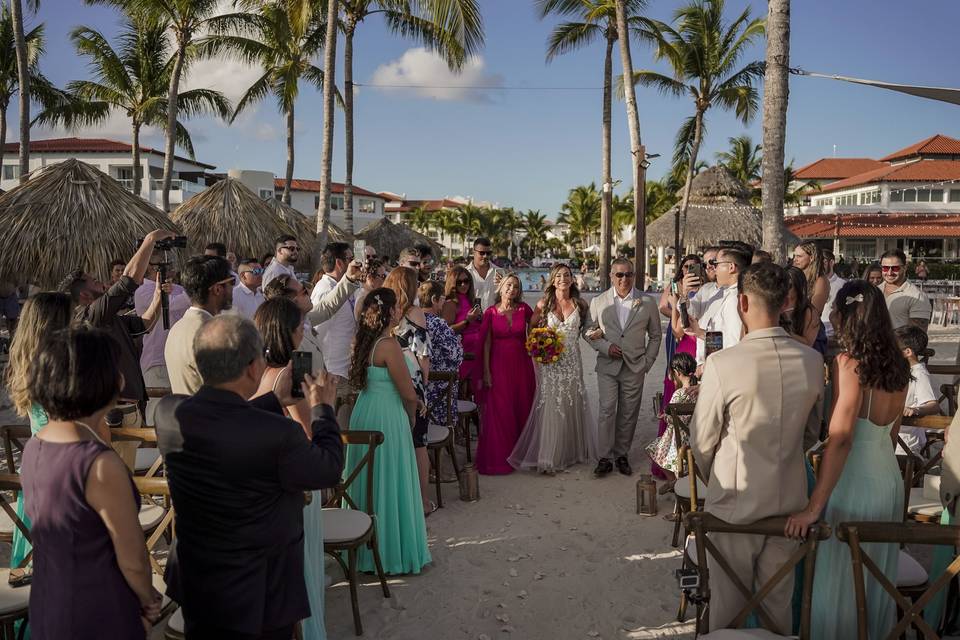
{"x":302,"y":366}
{"x":359,"y":249}
{"x":714,"y":342}
{"x":697,"y":270}
{"x":476,"y":302}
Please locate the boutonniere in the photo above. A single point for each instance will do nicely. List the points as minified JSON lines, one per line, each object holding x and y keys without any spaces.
{"x":637,"y":302}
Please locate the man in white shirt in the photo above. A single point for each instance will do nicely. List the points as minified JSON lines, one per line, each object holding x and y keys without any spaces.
{"x":705,"y":291}
{"x":829,"y":261}
{"x":287,"y":251}
{"x":920,"y":400}
{"x":486,"y":277}
{"x":720,"y":313}
{"x":336,"y":333}
{"x":247,"y":296}
{"x":907,"y":303}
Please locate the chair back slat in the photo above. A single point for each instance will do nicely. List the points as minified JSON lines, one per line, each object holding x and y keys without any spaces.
{"x":355,"y":437}
{"x":13,"y":436}
{"x":10,"y":482}
{"x":148,"y":488}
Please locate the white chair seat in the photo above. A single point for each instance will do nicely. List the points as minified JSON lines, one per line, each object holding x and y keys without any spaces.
{"x":175,"y":623}
{"x":437,"y":433}
{"x":145,"y":459}
{"x":466,"y":406}
{"x":12,"y":600}
{"x":744,"y":634}
{"x":682,"y":488}
{"x":924,"y":506}
{"x":150,"y":515}
{"x":161,"y":586}
{"x":341,"y":525}
{"x":909,"y":571}
{"x":690,"y":548}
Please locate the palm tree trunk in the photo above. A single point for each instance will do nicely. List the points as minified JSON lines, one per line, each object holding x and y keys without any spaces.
{"x":681,"y":216}
{"x":606,"y":194}
{"x":170,"y":143}
{"x":776,"y":91}
{"x":3,"y":134}
{"x":348,"y":124}
{"x":326,"y":153}
{"x":135,"y":158}
{"x":23,"y":79}
{"x":636,"y":149}
{"x":288,"y":178}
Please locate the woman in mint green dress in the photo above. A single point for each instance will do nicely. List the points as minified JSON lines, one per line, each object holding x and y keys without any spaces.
{"x":386,"y":403}
{"x":859,"y":477}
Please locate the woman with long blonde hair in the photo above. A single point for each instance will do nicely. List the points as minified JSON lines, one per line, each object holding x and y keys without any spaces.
{"x":463,"y":313}
{"x":808,"y":258}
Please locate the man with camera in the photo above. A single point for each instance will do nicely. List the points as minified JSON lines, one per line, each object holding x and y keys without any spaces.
{"x":99,"y":306}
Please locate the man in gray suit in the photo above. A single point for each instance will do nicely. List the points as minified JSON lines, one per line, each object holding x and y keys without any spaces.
{"x":626,"y":336}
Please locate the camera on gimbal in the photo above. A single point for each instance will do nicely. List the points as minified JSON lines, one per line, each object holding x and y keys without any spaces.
{"x":177,"y":242}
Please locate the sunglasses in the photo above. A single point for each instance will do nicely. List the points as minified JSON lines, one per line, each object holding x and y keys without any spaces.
{"x":893,"y":268}
{"x":257,"y":272}
{"x":230,"y":281}
{"x":623,"y":274}
{"x":413,"y":263}
{"x":484,"y":253}
{"x":462,"y":282}
{"x":714,"y":263}
{"x":291,"y":248}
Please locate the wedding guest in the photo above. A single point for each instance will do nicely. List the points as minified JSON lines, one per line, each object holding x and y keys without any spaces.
{"x":411,"y":333}
{"x":280,"y":323}
{"x":91,"y":575}
{"x":508,"y":377}
{"x":374,"y":273}
{"x":286,"y":254}
{"x":462,"y":311}
{"x":560,"y":431}
{"x":808,"y":258}
{"x":426,"y":261}
{"x":799,"y":317}
{"x":247,"y":295}
{"x":410,"y":258}
{"x":237,"y":566}
{"x":757,"y":412}
{"x":116,"y":270}
{"x":43,"y":315}
{"x":379,"y":370}
{"x":761,"y":256}
{"x":719,"y":312}
{"x":920,"y":400}
{"x":627,"y":344}
{"x":333,"y":317}
{"x":829,"y":270}
{"x":873,"y":274}
{"x":859,"y":478}
{"x":906,"y":302}
{"x":663,"y":449}
{"x":485,"y":274}
{"x":446,"y":352}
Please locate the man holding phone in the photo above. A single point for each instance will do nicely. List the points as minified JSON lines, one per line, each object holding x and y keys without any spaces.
{"x":486,"y":276}
{"x":719,"y":315}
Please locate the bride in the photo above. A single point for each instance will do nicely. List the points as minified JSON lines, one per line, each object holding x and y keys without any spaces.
{"x":559,"y":431}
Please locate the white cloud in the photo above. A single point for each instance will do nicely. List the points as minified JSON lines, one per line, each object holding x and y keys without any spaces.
{"x":434,"y":79}
{"x":266,"y":132}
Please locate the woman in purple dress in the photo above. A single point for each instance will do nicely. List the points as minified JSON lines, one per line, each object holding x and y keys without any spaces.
{"x":508,"y":378}
{"x":91,"y":575}
{"x":462,"y":312}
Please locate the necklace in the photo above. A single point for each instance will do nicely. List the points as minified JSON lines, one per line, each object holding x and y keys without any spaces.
{"x":92,"y":432}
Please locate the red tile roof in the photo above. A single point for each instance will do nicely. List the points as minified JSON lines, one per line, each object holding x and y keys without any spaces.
{"x":875,"y":225}
{"x":918,"y":171}
{"x":836,"y":168}
{"x":299,"y":184}
{"x":429,"y":206}
{"x":89,"y":145}
{"x":938,"y":145}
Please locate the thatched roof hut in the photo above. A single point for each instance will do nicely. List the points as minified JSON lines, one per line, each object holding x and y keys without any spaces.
{"x":719,"y":209}
{"x":305,"y":227}
{"x":71,"y":215}
{"x":389,"y":238}
{"x":230,"y":213}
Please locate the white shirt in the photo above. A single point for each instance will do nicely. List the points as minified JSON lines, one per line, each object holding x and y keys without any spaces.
{"x":484,"y":288}
{"x":720,"y":315}
{"x":623,"y":305}
{"x":336,"y":334}
{"x":246,"y":302}
{"x":919,"y":392}
{"x":835,"y":284}
{"x":703,"y":296}
{"x":274,"y":269}
{"x":155,"y":341}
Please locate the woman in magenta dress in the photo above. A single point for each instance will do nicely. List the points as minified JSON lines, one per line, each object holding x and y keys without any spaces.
{"x":508,"y":378}
{"x":462,"y":312}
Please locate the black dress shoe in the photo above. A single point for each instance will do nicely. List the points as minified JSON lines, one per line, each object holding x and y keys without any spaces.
{"x":623,"y":466}
{"x":604,"y":466}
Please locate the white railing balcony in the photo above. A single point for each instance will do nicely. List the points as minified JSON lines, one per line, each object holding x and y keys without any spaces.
{"x":178,"y":185}
{"x":126,"y":184}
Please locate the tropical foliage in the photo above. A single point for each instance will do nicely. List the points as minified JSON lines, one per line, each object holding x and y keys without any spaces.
{"x":742,"y":159}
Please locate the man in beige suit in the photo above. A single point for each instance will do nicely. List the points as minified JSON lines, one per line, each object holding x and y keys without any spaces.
{"x":950,"y":468}
{"x":626,"y":326}
{"x":757,"y":412}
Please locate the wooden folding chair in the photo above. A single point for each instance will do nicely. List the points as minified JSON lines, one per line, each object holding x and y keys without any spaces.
{"x":14,"y":437}
{"x":16,"y":600}
{"x":147,"y":460}
{"x":155,"y":492}
{"x":910,"y":613}
{"x":348,"y":529}
{"x":685,"y":490}
{"x":929,"y":423}
{"x":439,"y":436}
{"x":702,"y":524}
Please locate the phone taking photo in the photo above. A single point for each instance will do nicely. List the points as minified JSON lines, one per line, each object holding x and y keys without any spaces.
{"x":302,"y":366}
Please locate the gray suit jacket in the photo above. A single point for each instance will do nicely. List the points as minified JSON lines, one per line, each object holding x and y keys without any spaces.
{"x":639,"y":340}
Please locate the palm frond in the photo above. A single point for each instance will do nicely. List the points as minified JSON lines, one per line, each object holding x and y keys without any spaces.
{"x":570,"y":36}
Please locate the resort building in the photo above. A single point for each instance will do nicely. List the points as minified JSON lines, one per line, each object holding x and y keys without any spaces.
{"x":909,"y":199}
{"x":115,"y":159}
{"x":398,"y":208}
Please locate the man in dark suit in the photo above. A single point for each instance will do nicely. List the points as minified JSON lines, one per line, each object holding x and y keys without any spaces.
{"x":237,"y":472}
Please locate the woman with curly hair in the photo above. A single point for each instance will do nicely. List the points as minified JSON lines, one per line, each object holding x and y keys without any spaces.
{"x":808,"y":258}
{"x":798,"y":317}
{"x":379,"y":370}
{"x":859,"y":477}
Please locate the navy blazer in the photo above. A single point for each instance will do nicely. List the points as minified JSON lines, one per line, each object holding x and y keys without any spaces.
{"x":237,"y":472}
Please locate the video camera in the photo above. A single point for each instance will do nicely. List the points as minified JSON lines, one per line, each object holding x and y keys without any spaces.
{"x":176,"y":242}
{"x":165,"y":245}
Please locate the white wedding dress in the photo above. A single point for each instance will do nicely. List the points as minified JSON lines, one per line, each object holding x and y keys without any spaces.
{"x":560,"y":431}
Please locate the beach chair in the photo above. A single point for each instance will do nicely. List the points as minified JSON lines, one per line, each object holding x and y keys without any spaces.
{"x":346,"y":528}
{"x":14,"y":601}
{"x":439,"y":436}
{"x":910,"y":610}
{"x":702,"y":524}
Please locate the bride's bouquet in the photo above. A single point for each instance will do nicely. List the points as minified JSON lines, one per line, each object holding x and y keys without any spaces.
{"x":545,"y":345}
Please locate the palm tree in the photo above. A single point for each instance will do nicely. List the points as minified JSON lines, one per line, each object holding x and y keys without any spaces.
{"x":704,"y":53}
{"x":419,"y":219}
{"x":743,"y":159}
{"x":133,"y":79}
{"x":284,"y":48}
{"x":596,"y":19}
{"x":534,"y":224}
{"x":453,"y":28}
{"x":326,"y":149}
{"x":23,"y":81}
{"x":775,"y":94}
{"x":796,"y":196}
{"x":581,"y":212}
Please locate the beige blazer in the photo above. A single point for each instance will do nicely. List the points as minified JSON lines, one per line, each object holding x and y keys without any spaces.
{"x":757,"y":413}
{"x":330,"y":303}
{"x":950,"y":467}
{"x":178,"y":352}
{"x":639,"y":340}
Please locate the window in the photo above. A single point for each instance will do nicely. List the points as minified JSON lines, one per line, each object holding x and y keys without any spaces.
{"x":336,"y":203}
{"x":936,"y":195}
{"x":910,"y":195}
{"x":859,"y":249}
{"x":923,"y":195}
{"x":870,"y":197}
{"x":847,"y":201}
{"x":367,"y":206}
{"x":825,"y":202}
{"x":954,"y":195}
{"x":266,"y":194}
{"x":11,"y":171}
{"x":896,"y":196}
{"x":124,"y":173}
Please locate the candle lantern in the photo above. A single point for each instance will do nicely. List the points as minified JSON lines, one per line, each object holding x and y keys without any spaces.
{"x":646,"y":496}
{"x":469,"y":483}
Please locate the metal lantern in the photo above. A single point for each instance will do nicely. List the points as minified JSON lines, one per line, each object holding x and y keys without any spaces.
{"x":469,"y":483}
{"x":646,"y":495}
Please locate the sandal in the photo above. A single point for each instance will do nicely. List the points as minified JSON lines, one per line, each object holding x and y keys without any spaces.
{"x":433,"y":507}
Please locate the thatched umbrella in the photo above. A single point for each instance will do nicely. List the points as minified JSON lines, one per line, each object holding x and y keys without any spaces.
{"x":230,"y":213}
{"x":389,"y":239}
{"x":71,"y":215}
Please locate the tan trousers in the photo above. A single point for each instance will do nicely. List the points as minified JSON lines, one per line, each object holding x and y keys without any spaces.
{"x":755,"y":559}
{"x":154,"y":377}
{"x":620,"y":399}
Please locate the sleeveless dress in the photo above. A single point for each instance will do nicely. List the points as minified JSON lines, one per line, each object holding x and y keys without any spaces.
{"x":401,"y":528}
{"x":471,"y":370}
{"x":560,"y":431}
{"x":870,"y":488}
{"x":21,"y":547}
{"x":78,"y":591}
{"x":506,"y":405}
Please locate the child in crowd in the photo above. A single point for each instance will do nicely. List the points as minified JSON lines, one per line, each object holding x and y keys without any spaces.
{"x":921,"y":400}
{"x":663,"y":449}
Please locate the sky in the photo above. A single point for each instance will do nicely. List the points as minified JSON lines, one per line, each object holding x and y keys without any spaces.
{"x":528,"y":148}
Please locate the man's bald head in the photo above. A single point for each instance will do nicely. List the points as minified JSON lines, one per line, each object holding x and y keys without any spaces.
{"x":224,"y":347}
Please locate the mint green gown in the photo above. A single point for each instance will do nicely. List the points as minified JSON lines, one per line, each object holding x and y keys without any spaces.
{"x":401,"y":528}
{"x":870,"y":488}
{"x":38,"y":420}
